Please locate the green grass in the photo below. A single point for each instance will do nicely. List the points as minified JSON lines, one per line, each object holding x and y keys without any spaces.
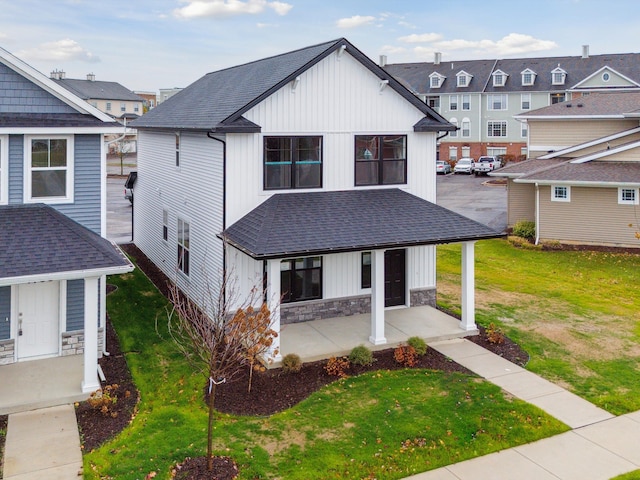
{"x":391,"y":424}
{"x":576,"y":313}
{"x":635,"y":475}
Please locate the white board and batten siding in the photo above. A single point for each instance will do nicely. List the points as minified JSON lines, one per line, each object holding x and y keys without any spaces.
{"x":192,"y":192}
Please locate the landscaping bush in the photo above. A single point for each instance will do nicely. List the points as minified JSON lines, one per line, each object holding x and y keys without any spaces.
{"x":406,"y":355}
{"x":291,"y":363}
{"x":361,"y":355}
{"x":525,"y":229}
{"x":337,"y":367}
{"x":103,"y":400}
{"x":494,"y":334}
{"x":418,"y":344}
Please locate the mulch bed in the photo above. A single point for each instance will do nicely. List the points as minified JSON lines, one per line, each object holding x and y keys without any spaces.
{"x":272,"y":391}
{"x":4,"y":420}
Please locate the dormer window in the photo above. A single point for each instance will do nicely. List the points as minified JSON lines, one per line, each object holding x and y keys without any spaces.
{"x":499,"y":78}
{"x":436,"y":80}
{"x":463,"y":79}
{"x":528,"y":77}
{"x":558,"y":76}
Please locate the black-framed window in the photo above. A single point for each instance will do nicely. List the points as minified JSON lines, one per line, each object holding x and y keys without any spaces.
{"x":177,"y":149}
{"x":381,"y":159}
{"x":292,"y":162}
{"x":365,"y":271}
{"x":165,"y":225}
{"x":184,"y":245}
{"x":301,"y":279}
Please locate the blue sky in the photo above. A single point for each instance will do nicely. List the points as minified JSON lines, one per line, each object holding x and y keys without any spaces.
{"x":152,"y":44}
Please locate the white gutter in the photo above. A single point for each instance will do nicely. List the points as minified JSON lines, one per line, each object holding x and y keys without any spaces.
{"x":537,"y":214}
{"x":58,"y":130}
{"x":68,"y":275}
{"x":579,"y":183}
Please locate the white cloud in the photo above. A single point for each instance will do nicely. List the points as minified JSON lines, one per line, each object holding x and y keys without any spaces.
{"x":421,"y":38}
{"x":228,"y":8}
{"x":392,"y":50}
{"x":512,"y":44}
{"x":355,"y":21}
{"x":62,"y":51}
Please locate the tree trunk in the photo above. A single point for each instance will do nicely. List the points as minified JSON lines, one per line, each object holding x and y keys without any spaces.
{"x":212,"y":397}
{"x":250,"y":375}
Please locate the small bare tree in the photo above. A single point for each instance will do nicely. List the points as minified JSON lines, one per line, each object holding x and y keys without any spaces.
{"x":122,"y":148}
{"x":218,"y":337}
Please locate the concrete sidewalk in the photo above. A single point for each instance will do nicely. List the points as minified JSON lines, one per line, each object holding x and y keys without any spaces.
{"x":43,"y":444}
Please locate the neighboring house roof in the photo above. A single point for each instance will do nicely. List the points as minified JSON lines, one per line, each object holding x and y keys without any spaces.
{"x":577,"y":69}
{"x":519,"y":169}
{"x":98,"y":90}
{"x":35,"y":120}
{"x":595,"y":105}
{"x":343,"y":221}
{"x":590,"y":173}
{"x":38,"y":240}
{"x":218,"y":100}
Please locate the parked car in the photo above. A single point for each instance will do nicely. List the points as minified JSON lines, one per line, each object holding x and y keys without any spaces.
{"x":128,"y":186}
{"x":464,"y":165}
{"x":443,"y":167}
{"x":486,"y":164}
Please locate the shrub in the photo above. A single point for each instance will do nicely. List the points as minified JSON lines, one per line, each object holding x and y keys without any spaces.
{"x":337,"y":367}
{"x":523,"y":243}
{"x":494,"y":334}
{"x":291,"y":363}
{"x":525,"y":229}
{"x":406,"y":355}
{"x":361,"y":355}
{"x":104,"y":399}
{"x":418,"y":344}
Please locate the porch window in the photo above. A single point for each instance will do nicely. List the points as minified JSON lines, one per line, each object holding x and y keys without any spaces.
{"x":365,"y":272}
{"x":184,"y":246}
{"x":301,"y":279}
{"x":381,"y":159}
{"x":49,"y":169}
{"x":292,"y":162}
{"x":560,"y":193}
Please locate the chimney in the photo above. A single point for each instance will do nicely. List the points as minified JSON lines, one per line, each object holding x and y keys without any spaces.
{"x":585,"y":51}
{"x":91,"y":77}
{"x":55,"y":75}
{"x":383,"y":60}
{"x":437,"y":56}
{"x":62,"y":75}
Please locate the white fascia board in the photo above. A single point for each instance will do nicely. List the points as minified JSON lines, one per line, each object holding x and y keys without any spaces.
{"x":602,"y":69}
{"x":575,"y":183}
{"x":569,"y":117}
{"x":71,"y":275}
{"x":606,"y":153}
{"x":559,"y":153}
{"x":58,"y":91}
{"x":58,"y":130}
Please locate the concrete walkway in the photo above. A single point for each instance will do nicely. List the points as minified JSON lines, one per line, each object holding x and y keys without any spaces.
{"x":43,"y":444}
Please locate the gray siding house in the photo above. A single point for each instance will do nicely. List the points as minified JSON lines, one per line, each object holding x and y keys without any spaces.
{"x":53,"y":255}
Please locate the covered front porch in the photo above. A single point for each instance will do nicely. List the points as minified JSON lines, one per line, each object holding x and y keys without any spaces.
{"x":322,"y":339}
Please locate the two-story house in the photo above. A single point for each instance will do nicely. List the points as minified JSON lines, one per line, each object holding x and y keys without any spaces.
{"x":481,"y":97}
{"x":313,"y":171}
{"x":53,"y":255}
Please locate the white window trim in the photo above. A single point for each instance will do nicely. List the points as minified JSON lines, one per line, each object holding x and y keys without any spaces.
{"x":178,"y":244}
{"x":165,"y":224}
{"x":622,"y":201}
{"x":468,"y":103}
{"x":4,"y":169}
{"x":502,"y":75}
{"x":505,"y":105}
{"x":562,"y":73}
{"x":69,"y":198}
{"x":522,"y":99}
{"x":441,"y":79}
{"x":456,"y":103}
{"x":454,"y":133}
{"x":554,"y":198}
{"x":466,"y":121}
{"x":506,"y":129}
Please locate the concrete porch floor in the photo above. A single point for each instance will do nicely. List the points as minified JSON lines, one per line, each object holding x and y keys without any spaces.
{"x":321,"y":339}
{"x":43,"y":383}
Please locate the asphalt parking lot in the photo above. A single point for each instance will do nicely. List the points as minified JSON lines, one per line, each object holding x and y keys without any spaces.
{"x":467,"y":195}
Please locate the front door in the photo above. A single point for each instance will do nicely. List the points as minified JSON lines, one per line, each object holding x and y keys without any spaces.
{"x":394,"y":278}
{"x":38,"y":325}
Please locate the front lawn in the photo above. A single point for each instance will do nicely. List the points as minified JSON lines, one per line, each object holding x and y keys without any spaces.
{"x":575,"y":312}
{"x":390,"y":424}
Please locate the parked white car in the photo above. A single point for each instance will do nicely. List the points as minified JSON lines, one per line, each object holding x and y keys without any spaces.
{"x":486,"y":164}
{"x":464,"y":165}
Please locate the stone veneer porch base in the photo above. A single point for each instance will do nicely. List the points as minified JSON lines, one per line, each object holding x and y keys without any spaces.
{"x":345,"y":306}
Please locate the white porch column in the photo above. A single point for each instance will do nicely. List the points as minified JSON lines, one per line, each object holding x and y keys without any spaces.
{"x":273,"y":302}
{"x":90,"y":382}
{"x":377,"y":298}
{"x":468,"y":321}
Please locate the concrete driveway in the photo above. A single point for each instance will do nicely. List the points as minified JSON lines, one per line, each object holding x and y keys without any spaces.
{"x":118,"y":211}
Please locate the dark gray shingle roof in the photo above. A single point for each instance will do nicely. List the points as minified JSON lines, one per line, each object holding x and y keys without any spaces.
{"x":597,"y":104}
{"x":518,"y":169}
{"x":33,"y":120}
{"x":615,"y":173}
{"x":98,"y":90}
{"x":295,"y":224}
{"x":217,"y":100}
{"x":37,"y":239}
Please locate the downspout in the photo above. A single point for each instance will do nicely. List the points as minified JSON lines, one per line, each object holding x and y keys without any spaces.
{"x":537,"y":213}
{"x":224,"y":197}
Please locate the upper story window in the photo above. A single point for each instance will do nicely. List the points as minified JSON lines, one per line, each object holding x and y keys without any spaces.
{"x":108,"y":106}
{"x":606,"y":76}
{"x":48,"y":169}
{"x":560,"y":193}
{"x":292,"y":162}
{"x":497,"y":101}
{"x":436,"y":80}
{"x":466,"y":102}
{"x":525,"y":101}
{"x":4,"y":170}
{"x":301,"y":279}
{"x":123,"y":107}
{"x":381,"y":159}
{"x":165,"y":225}
{"x":558,"y":76}
{"x":524,"y":130}
{"x":433,"y":101}
{"x":556,"y":97}
{"x":136,"y":108}
{"x":499,"y":78}
{"x":528,"y":77}
{"x":454,"y":133}
{"x":184,"y":246}
{"x":463,"y":79}
{"x":177,"y":149}
{"x":453,"y":102}
{"x":466,"y":128}
{"x":497,"y":129}
{"x":628,"y":196}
